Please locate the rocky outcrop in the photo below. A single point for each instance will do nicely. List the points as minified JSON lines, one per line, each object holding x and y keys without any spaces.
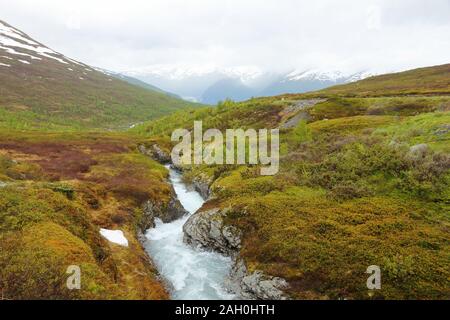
{"x":298,"y":112}
{"x":418,"y":151}
{"x":443,"y":129}
{"x":206,"y":229}
{"x":166,"y":212}
{"x":155,"y":152}
{"x":256,"y":285}
{"x":202,"y":184}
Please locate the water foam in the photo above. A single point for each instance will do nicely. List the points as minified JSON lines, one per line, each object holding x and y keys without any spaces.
{"x":193,"y":273}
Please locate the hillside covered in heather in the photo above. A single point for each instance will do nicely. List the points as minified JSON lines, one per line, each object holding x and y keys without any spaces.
{"x":364,"y":180}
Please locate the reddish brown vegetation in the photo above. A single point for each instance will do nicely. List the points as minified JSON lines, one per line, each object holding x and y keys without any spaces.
{"x":61,"y":160}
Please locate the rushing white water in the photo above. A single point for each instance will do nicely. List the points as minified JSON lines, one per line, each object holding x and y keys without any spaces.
{"x":195,"y":274}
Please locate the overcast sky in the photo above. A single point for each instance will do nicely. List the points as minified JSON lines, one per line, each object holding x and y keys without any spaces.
{"x":273,"y":35}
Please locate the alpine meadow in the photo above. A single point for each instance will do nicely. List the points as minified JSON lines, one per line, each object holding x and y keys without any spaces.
{"x":323,"y":172}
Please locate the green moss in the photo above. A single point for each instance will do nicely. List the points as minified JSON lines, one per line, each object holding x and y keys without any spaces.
{"x":349,"y":125}
{"x":37,"y":265}
{"x":43,"y":232}
{"x":349,"y":194}
{"x":15,"y":170}
{"x":431,"y":128}
{"x":132,"y":177}
{"x":338,"y":107}
{"x":323,"y":247}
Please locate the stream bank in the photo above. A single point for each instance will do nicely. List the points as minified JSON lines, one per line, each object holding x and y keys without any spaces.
{"x":192,"y":272}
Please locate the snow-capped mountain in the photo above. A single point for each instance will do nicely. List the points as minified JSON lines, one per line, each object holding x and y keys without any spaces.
{"x":17,"y":46}
{"x":191,"y":82}
{"x":211,"y":84}
{"x":40,"y":83}
{"x":328,"y":76}
{"x":204,"y":83}
{"x":311,"y":80}
{"x":180,"y":72}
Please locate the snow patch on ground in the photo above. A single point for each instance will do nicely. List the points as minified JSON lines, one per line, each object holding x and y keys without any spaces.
{"x":5,"y":65}
{"x":24,"y":61}
{"x":114,"y":236}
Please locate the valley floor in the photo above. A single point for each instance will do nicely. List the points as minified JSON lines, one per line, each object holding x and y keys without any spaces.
{"x":363,"y":181}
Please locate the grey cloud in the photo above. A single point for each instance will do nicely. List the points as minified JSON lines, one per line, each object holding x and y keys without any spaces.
{"x":273,"y":35}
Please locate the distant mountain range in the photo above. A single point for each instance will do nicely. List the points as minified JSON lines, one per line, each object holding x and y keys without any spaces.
{"x":25,"y":62}
{"x":210,"y":85}
{"x":40,"y":85}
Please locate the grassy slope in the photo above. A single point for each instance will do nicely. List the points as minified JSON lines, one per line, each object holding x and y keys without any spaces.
{"x":61,"y":100}
{"x":61,"y":188}
{"x":430,"y":80}
{"x":350,"y":193}
{"x":49,"y":94}
{"x":60,"y":182}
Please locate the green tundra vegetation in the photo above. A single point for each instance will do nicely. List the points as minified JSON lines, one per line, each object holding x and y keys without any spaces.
{"x":51,"y":96}
{"x":364,"y":180}
{"x":57,"y":190}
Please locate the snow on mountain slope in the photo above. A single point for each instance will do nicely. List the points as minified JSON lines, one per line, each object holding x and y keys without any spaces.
{"x":328,"y":75}
{"x":301,"y":81}
{"x":43,"y":88}
{"x":181,"y":72}
{"x":15,"y":44}
{"x":210,"y":84}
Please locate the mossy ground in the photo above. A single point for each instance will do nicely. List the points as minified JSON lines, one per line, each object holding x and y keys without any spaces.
{"x":60,"y":189}
{"x":350,"y":193}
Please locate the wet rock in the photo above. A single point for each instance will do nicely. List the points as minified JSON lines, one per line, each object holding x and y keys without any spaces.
{"x":166,"y":212}
{"x":177,"y":167}
{"x":202,"y":184}
{"x":256,"y":285}
{"x":160,"y":154}
{"x":155,"y":152}
{"x":206,"y":229}
{"x":144,"y":150}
